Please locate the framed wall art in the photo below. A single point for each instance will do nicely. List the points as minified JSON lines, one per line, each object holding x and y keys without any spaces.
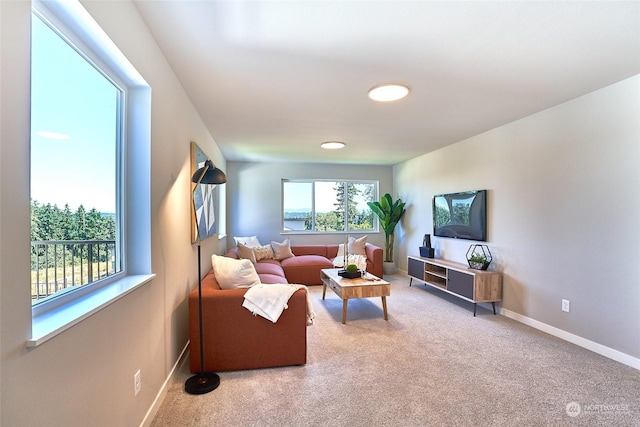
{"x":203,"y":207}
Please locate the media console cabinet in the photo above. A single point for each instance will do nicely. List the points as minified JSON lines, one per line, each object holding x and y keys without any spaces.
{"x":457,"y":279}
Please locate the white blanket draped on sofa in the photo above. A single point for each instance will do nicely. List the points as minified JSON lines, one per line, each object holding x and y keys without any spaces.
{"x":270,"y":300}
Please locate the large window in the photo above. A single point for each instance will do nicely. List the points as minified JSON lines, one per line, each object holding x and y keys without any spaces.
{"x":326,"y":206}
{"x":76,"y":146}
{"x":90,"y":170}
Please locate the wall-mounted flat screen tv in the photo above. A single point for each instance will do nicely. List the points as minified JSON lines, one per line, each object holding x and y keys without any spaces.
{"x":461,"y":215}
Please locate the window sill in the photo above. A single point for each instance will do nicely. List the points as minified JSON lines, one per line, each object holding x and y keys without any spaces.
{"x":51,"y":323}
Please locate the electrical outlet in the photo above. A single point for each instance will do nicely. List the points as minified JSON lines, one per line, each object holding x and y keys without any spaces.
{"x":137,"y":382}
{"x":565,"y":305}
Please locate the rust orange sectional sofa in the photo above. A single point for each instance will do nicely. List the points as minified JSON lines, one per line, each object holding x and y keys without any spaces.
{"x":235,"y":339}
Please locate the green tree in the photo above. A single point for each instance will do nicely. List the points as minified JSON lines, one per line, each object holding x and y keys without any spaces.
{"x":52,"y":223}
{"x":36,"y":232}
{"x":66,"y":223}
{"x":346,"y":193}
{"x":80,"y":223}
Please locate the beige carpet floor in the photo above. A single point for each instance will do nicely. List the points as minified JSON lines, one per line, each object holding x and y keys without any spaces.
{"x":431,"y":364}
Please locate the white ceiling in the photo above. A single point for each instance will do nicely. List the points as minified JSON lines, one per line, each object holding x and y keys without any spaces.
{"x":273,"y":79}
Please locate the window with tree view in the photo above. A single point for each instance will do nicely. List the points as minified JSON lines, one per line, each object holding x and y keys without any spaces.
{"x":76,"y":125}
{"x":325,"y":206}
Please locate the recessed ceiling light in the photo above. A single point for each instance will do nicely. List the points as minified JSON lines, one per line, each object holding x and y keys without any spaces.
{"x":388,"y":92}
{"x":332,"y":145}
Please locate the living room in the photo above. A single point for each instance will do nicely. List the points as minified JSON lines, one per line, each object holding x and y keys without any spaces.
{"x":562,"y":221}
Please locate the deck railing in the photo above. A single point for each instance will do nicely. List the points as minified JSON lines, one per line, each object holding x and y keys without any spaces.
{"x":60,"y":264}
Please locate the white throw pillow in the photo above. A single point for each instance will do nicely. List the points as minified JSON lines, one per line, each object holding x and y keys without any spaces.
{"x":358,"y":260}
{"x":282,"y":250}
{"x":234,"y":273}
{"x":249,"y":241}
{"x":340,"y":250}
{"x":245,"y":252}
{"x":356,"y":246}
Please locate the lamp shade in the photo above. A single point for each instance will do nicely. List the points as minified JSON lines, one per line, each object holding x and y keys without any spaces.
{"x":209,"y":174}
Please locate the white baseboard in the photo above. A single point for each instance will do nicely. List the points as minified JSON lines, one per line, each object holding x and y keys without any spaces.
{"x":602,"y":350}
{"x":155,"y":406}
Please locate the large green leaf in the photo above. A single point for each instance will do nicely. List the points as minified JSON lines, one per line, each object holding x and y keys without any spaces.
{"x":389,"y":213}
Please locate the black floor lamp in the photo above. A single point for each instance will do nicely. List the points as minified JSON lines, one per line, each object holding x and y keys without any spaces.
{"x":203,"y":382}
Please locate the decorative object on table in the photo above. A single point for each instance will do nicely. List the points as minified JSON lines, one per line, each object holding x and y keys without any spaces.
{"x":203,"y":214}
{"x":479,"y":257}
{"x":426,"y":250}
{"x":351,"y":271}
{"x":389,"y":213}
{"x":346,"y":252}
{"x":202,"y":382}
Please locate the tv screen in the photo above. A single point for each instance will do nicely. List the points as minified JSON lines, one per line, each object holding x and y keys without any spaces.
{"x":461,"y":215}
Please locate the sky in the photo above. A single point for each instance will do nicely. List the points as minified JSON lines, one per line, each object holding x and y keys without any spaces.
{"x":73,"y":127}
{"x":298,"y":196}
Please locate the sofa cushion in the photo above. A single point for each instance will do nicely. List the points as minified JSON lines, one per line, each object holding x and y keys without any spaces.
{"x":310,"y":250}
{"x":305,"y":260}
{"x":305,"y":269}
{"x":233,"y":273}
{"x":282,"y":250}
{"x":269,"y":261}
{"x":272,"y":278}
{"x":264,"y":267}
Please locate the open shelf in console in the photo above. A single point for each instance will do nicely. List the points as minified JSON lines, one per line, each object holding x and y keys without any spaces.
{"x":435,"y":275}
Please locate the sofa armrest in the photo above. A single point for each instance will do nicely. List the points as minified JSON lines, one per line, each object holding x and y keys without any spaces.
{"x":374,"y":259}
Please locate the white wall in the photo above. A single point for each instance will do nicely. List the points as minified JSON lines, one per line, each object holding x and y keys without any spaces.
{"x":563,"y":211}
{"x":255,"y":203}
{"x":84,"y":376}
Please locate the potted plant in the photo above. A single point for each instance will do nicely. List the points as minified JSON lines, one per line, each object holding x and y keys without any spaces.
{"x":389,"y":213}
{"x":479,"y":257}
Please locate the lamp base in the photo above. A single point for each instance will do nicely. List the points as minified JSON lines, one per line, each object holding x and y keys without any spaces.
{"x":202,"y":383}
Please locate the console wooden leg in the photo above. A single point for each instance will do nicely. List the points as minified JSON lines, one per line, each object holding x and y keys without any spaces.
{"x":384,"y":308}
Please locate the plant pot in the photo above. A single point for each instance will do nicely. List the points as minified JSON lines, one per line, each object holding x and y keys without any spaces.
{"x":479,"y":265}
{"x":389,"y":267}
